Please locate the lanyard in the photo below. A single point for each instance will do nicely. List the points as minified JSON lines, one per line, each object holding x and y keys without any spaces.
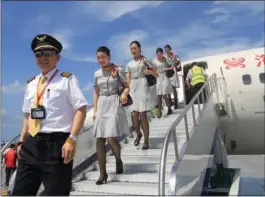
{"x":41,"y":93}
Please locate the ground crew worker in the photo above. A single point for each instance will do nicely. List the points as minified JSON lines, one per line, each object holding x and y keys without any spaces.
{"x":196,"y":78}
{"x":55,"y":110}
{"x":10,"y":161}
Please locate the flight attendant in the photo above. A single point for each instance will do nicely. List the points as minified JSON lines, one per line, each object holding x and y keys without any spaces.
{"x":109,"y":115}
{"x":173,"y":60}
{"x":140,"y":92}
{"x":163,"y":86}
{"x":54,"y":112}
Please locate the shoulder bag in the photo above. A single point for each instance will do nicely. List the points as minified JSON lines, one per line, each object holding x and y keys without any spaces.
{"x":120,"y":91}
{"x":169,"y":73}
{"x":151,"y":80}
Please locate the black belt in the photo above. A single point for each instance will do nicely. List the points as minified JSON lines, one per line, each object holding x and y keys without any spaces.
{"x":50,"y":136}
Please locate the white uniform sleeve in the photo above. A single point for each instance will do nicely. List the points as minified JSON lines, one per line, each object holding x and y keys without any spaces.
{"x":26,"y":103}
{"x":75,"y":94}
{"x":188,"y":76}
{"x":122,"y":75}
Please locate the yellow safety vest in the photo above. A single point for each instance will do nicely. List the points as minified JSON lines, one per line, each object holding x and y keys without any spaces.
{"x":197,"y":75}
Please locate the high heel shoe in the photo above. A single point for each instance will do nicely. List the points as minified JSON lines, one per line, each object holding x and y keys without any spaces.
{"x":102,"y":179}
{"x":169,"y":111}
{"x":137,"y":140}
{"x":145,"y":147}
{"x":119,"y":167}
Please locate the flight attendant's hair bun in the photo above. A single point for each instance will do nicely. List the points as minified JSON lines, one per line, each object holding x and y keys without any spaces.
{"x":159,"y":50}
{"x":104,"y":49}
{"x":136,"y":42}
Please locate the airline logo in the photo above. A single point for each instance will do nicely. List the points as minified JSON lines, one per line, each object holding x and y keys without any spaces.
{"x":240,"y":61}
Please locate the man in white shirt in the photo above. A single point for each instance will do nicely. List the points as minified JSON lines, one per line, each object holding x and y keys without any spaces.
{"x":54,"y":113}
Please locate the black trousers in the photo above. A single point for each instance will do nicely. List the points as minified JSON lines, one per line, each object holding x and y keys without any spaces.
{"x":195,"y":89}
{"x":42,"y":162}
{"x":9,"y":172}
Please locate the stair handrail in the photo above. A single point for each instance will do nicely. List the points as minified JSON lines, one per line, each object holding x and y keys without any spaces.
{"x":209,"y":87}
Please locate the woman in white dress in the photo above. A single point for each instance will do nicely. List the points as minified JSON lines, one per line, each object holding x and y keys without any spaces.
{"x":173,"y":60}
{"x":136,"y":70}
{"x":110,"y":120}
{"x":163,"y":85}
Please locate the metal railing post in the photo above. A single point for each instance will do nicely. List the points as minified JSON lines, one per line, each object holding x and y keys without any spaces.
{"x":199,"y":104}
{"x":193,"y":116}
{"x":175,"y":140}
{"x":203,"y":100}
{"x":186,"y":127}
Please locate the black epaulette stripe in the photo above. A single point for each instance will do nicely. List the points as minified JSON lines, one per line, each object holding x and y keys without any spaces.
{"x":66,"y":74}
{"x":31,"y":79}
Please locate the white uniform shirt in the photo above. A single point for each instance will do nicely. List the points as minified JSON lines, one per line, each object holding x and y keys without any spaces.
{"x":61,"y":98}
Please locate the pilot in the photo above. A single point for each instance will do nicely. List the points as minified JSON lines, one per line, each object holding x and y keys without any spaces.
{"x":54,"y":113}
{"x":195,"y":79}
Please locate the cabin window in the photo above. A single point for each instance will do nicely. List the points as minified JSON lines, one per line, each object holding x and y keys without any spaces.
{"x":262,"y":77}
{"x":246,"y":79}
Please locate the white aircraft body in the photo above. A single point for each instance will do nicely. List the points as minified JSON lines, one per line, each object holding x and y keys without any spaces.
{"x":241,"y":87}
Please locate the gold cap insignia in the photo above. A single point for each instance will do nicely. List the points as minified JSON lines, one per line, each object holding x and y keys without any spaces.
{"x":41,"y":38}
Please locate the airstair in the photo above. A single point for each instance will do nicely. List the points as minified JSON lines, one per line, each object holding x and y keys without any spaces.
{"x":181,"y":151}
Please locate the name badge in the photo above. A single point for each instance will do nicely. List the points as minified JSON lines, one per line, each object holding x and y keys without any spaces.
{"x":38,"y":113}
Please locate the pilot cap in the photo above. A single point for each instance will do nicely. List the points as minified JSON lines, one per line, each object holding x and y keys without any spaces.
{"x":45,"y":41}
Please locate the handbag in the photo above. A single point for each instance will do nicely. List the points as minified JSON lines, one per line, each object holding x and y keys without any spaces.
{"x":169,"y":73}
{"x":120,"y":91}
{"x":178,"y":69}
{"x":151,"y":80}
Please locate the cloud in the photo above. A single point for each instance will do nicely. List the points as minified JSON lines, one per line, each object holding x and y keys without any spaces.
{"x":66,"y":37}
{"x":183,"y":38}
{"x":221,"y":15}
{"x":15,"y":87}
{"x":224,"y":11}
{"x":88,"y":87}
{"x":221,"y":46}
{"x":120,"y":44}
{"x":112,"y":10}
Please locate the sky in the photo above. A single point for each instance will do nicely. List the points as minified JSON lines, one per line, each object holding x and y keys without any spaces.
{"x":193,"y":29}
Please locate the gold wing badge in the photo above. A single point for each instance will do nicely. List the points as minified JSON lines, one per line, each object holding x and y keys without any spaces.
{"x":41,"y":38}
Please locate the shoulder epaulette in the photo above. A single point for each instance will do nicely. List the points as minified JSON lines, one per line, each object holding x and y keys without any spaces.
{"x":66,"y":74}
{"x":31,"y":79}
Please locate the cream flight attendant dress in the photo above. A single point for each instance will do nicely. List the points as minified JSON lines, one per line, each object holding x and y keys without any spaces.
{"x":140,"y":92}
{"x":111,"y":119}
{"x":163,"y":86}
{"x":175,"y":79}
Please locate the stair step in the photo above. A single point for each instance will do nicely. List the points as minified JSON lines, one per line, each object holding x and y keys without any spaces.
{"x":156,"y":138}
{"x":118,"y":188}
{"x":131,"y":146}
{"x":149,"y":152}
{"x":136,"y":167}
{"x":144,"y":159}
{"x":80,"y":193}
{"x":128,"y":177}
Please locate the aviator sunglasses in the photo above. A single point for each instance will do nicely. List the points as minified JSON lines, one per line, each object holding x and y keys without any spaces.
{"x":45,"y":53}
